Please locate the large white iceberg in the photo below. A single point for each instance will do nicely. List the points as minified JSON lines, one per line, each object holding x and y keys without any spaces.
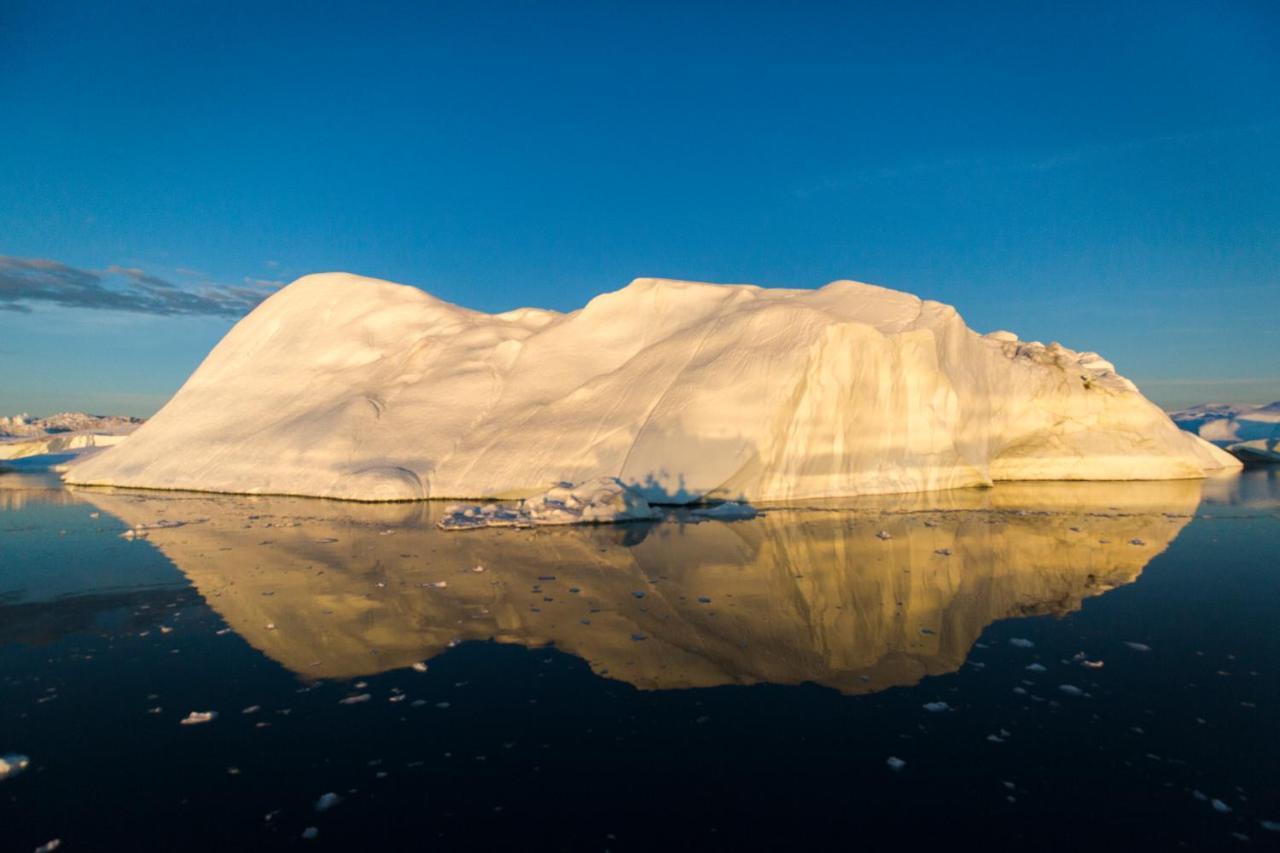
{"x":348,"y":387}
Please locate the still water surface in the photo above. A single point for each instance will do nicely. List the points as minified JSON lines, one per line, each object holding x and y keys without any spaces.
{"x":1056,"y":665}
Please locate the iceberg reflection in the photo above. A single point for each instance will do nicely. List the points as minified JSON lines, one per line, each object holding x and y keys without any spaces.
{"x":812,"y":593}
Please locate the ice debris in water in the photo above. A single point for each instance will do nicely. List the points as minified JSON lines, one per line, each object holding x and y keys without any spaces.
{"x":1035,"y":667}
{"x":1070,"y":690}
{"x":327,"y":801}
{"x":355,"y":700}
{"x":884,"y":534}
{"x":1219,"y":806}
{"x":195,"y":718}
{"x":1137,"y":647}
{"x":727,"y":511}
{"x":419,"y":666}
{"x":936,"y":707}
{"x":599,"y":501}
{"x":1270,"y":825}
{"x":895,"y":763}
{"x":49,"y":846}
{"x":310,"y":833}
{"x":1021,"y":643}
{"x":13,"y":764}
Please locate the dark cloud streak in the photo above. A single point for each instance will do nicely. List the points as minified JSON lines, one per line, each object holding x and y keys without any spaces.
{"x":25,"y":282}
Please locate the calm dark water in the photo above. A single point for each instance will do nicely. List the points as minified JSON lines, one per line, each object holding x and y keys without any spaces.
{"x":668,"y":686}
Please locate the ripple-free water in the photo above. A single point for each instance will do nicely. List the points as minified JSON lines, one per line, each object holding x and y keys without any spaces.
{"x":1051,"y":665}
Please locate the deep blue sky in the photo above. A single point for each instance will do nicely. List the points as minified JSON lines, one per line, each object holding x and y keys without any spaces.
{"x":1106,"y":175}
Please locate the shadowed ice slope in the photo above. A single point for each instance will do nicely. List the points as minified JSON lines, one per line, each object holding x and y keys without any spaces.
{"x":332,"y":590}
{"x":341,"y":386}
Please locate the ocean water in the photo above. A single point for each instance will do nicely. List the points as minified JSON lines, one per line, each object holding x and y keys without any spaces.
{"x":1036,"y":666}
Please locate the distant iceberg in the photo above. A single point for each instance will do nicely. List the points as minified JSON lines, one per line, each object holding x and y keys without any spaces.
{"x":346,"y":387}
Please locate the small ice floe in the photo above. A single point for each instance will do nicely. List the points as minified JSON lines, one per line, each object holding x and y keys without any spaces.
{"x":12,"y":764}
{"x":884,"y":534}
{"x":477,"y":568}
{"x":195,"y":718}
{"x":53,"y":843}
{"x":327,"y":801}
{"x":1070,"y":690}
{"x":222,"y":632}
{"x":311,"y":833}
{"x":1219,"y":806}
{"x":1137,"y":647}
{"x":165,"y":629}
{"x":1035,"y":667}
{"x":252,"y":709}
{"x":936,"y":707}
{"x":1092,"y":664}
{"x":1021,"y":643}
{"x":439,"y":584}
{"x":727,"y":511}
{"x":95,"y":515}
{"x":600,"y":501}
{"x":419,"y":666}
{"x":355,"y":700}
{"x":1270,"y":825}
{"x":895,"y":763}
{"x":271,"y":626}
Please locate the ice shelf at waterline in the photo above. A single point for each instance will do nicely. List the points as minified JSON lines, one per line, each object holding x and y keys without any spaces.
{"x":348,"y":387}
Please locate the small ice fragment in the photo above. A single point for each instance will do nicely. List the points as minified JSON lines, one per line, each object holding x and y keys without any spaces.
{"x":936,"y":707}
{"x":355,"y":700}
{"x":419,"y":666}
{"x":1270,"y":825}
{"x":1021,"y":691}
{"x":271,"y":626}
{"x":1070,"y":690}
{"x":442,"y":705}
{"x":195,"y":718}
{"x":310,"y":833}
{"x":477,"y":568}
{"x":1219,"y":806}
{"x":165,"y":629}
{"x":1199,"y":795}
{"x":884,"y":534}
{"x":440,"y":584}
{"x":12,"y":764}
{"x":895,"y":763}
{"x":327,"y":801}
{"x":53,"y":843}
{"x":1021,"y":643}
{"x":1138,"y":647}
{"x":1035,"y":667}
{"x":252,"y":709}
{"x":1092,"y":664}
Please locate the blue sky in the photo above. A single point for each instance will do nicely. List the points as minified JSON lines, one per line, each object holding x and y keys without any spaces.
{"x":1106,"y":175}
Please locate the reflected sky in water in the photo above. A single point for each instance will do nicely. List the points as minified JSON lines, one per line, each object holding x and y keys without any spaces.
{"x":707,"y":662}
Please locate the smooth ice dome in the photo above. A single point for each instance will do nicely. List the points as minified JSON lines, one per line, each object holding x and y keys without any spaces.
{"x":348,"y":387}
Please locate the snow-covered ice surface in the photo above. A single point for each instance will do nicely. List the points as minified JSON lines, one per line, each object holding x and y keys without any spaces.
{"x":1227,"y":423}
{"x":27,"y":426}
{"x":348,"y":387}
{"x":599,"y":501}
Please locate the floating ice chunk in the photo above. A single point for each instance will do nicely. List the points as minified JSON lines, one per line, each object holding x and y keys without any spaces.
{"x":727,"y":511}
{"x":1138,"y":647}
{"x":440,"y":584}
{"x":600,"y":501}
{"x":895,"y":763}
{"x":936,"y":707}
{"x":310,"y":833}
{"x":1035,"y":667}
{"x":419,"y":666}
{"x":195,"y":718}
{"x":252,"y":709}
{"x":12,"y":764}
{"x":1092,"y":664}
{"x":884,"y":534}
{"x":327,"y":801}
{"x":355,"y":700}
{"x":49,"y":846}
{"x":1021,"y":643}
{"x":1070,"y":690}
{"x":1219,"y":806}
{"x":1270,"y":825}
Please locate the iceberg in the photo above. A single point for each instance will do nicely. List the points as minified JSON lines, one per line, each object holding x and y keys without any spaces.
{"x":341,"y":386}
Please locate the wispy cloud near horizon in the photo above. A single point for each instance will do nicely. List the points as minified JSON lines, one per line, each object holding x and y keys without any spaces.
{"x":26,"y":282}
